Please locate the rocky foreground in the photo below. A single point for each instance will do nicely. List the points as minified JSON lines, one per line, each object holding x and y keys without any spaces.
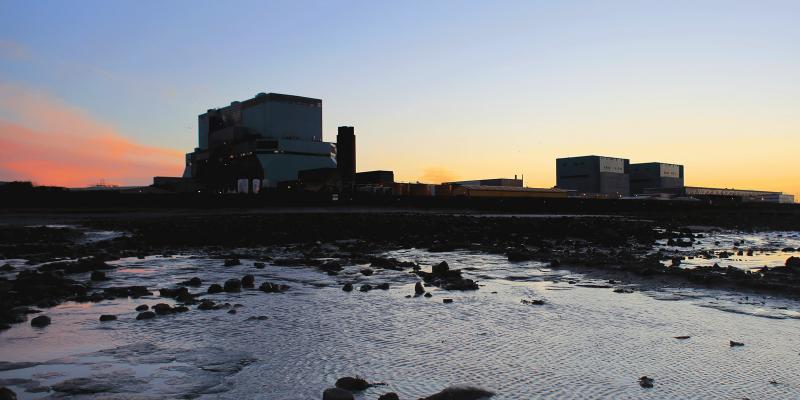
{"x":60,"y":261}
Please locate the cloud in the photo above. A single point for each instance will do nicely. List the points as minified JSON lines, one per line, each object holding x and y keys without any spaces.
{"x":13,"y":50}
{"x":437,"y":175}
{"x":51,"y":143}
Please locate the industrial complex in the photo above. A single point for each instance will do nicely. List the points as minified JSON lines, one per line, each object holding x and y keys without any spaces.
{"x":274,"y":142}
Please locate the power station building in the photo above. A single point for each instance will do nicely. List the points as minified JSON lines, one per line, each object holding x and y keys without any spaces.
{"x":655,"y":176}
{"x":594,"y":175}
{"x":263,"y":141}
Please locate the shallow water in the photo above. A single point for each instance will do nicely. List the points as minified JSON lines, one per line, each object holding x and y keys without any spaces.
{"x":584,"y":342}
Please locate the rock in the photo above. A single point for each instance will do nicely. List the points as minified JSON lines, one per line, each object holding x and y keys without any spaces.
{"x":248,"y":281}
{"x":6,"y":268}
{"x":146,"y":315}
{"x":519,"y":255}
{"x":793,"y":262}
{"x":207,"y":304}
{"x":8,"y":394}
{"x":461,"y":392}
{"x":428,"y":295}
{"x":367,"y":272}
{"x":646,"y":382}
{"x":460,"y":284}
{"x":534,"y":302}
{"x":258,"y":318}
{"x":232,"y":311}
{"x":192,"y":282}
{"x":269,"y":287}
{"x":389,"y":396}
{"x":383,"y":286}
{"x":232,"y":262}
{"x":348,"y":287}
{"x":259,"y":265}
{"x":447,"y":301}
{"x":336,"y":394}
{"x":440,"y":269}
{"x":180,"y":309}
{"x":40,"y":321}
{"x":143,"y":307}
{"x":736,"y":344}
{"x":365,"y":287}
{"x":73,"y":267}
{"x":622,"y":290}
{"x":107,"y":317}
{"x":127,"y":291}
{"x":233,"y":285}
{"x":214,"y":288}
{"x":682,"y":337}
{"x":352,"y":383}
{"x":98,"y":276}
{"x":162,"y":308}
{"x":418,"y":289}
{"x":180,"y":292}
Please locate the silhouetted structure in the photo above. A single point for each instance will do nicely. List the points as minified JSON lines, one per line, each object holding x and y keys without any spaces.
{"x":264,"y":140}
{"x":655,"y":176}
{"x":607,"y":176}
{"x":375,"y":178}
{"x":507,"y":182}
{"x":346,"y":156}
{"x":733,"y":194}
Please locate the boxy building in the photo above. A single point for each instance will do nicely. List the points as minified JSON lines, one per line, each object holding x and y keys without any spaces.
{"x":607,"y":176}
{"x":268,"y":138}
{"x":655,"y":176}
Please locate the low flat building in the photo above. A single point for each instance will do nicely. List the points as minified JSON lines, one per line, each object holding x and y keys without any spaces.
{"x":507,"y":182}
{"x":655,"y":175}
{"x":594,"y":175}
{"x":725,"y":193}
{"x":474,"y":191}
{"x":379,"y":177}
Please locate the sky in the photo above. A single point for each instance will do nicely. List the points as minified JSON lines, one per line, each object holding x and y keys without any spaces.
{"x":436,"y":90}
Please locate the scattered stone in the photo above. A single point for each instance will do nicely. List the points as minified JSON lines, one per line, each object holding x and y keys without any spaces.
{"x":348,"y":287}
{"x":248,"y":281}
{"x":365,"y":287}
{"x":534,"y":302}
{"x":352,"y":383}
{"x":143,"y":307}
{"x":233,"y":285}
{"x":259,"y":265}
{"x":383,"y":286}
{"x":231,"y":262}
{"x":127,"y":291}
{"x":367,"y":272}
{"x":214,"y":288}
{"x":461,"y":392}
{"x":682,"y":337}
{"x":180,"y":292}
{"x":146,"y":315}
{"x":108,"y":317}
{"x":428,"y":294}
{"x":162,"y":308}
{"x":736,"y":344}
{"x":8,"y":394}
{"x":418,"y":289}
{"x":389,"y":396}
{"x":623,"y":290}
{"x":98,"y":276}
{"x":180,"y":309}
{"x":232,"y":311}
{"x":447,"y":301}
{"x":646,"y":382}
{"x":336,"y":394}
{"x":192,"y":282}
{"x":207,"y":304}
{"x":258,"y":318}
{"x":269,"y":287}
{"x":40,"y":321}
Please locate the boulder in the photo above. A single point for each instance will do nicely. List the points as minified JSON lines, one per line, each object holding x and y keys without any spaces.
{"x":7,"y":268}
{"x":146,"y":315}
{"x":8,"y":394}
{"x":461,"y":392}
{"x":192,"y":282}
{"x":367,"y":272}
{"x":440,"y":269}
{"x":418,"y":289}
{"x":793,"y":262}
{"x":389,"y":396}
{"x":40,"y":321}
{"x":232,"y":262}
{"x":383,"y":286}
{"x":162,"y":308}
{"x":348,"y":287}
{"x":269,"y":287}
{"x":233,"y":285}
{"x":248,"y":281}
{"x":336,"y":394}
{"x":207,"y":304}
{"x":365,"y":287}
{"x":352,"y":383}
{"x":143,"y":307}
{"x":214,"y":288}
{"x":646,"y":382}
{"x":107,"y":317}
{"x":259,"y":265}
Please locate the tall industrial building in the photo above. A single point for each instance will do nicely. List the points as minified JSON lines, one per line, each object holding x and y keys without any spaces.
{"x":655,"y":176}
{"x":346,"y":155}
{"x":260,"y":141}
{"x":607,"y":176}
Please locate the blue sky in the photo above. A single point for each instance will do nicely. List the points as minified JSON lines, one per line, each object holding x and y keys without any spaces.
{"x":436,"y":89}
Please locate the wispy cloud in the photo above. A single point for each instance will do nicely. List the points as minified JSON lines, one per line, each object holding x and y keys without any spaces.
{"x":53,"y":143}
{"x":437,"y":175}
